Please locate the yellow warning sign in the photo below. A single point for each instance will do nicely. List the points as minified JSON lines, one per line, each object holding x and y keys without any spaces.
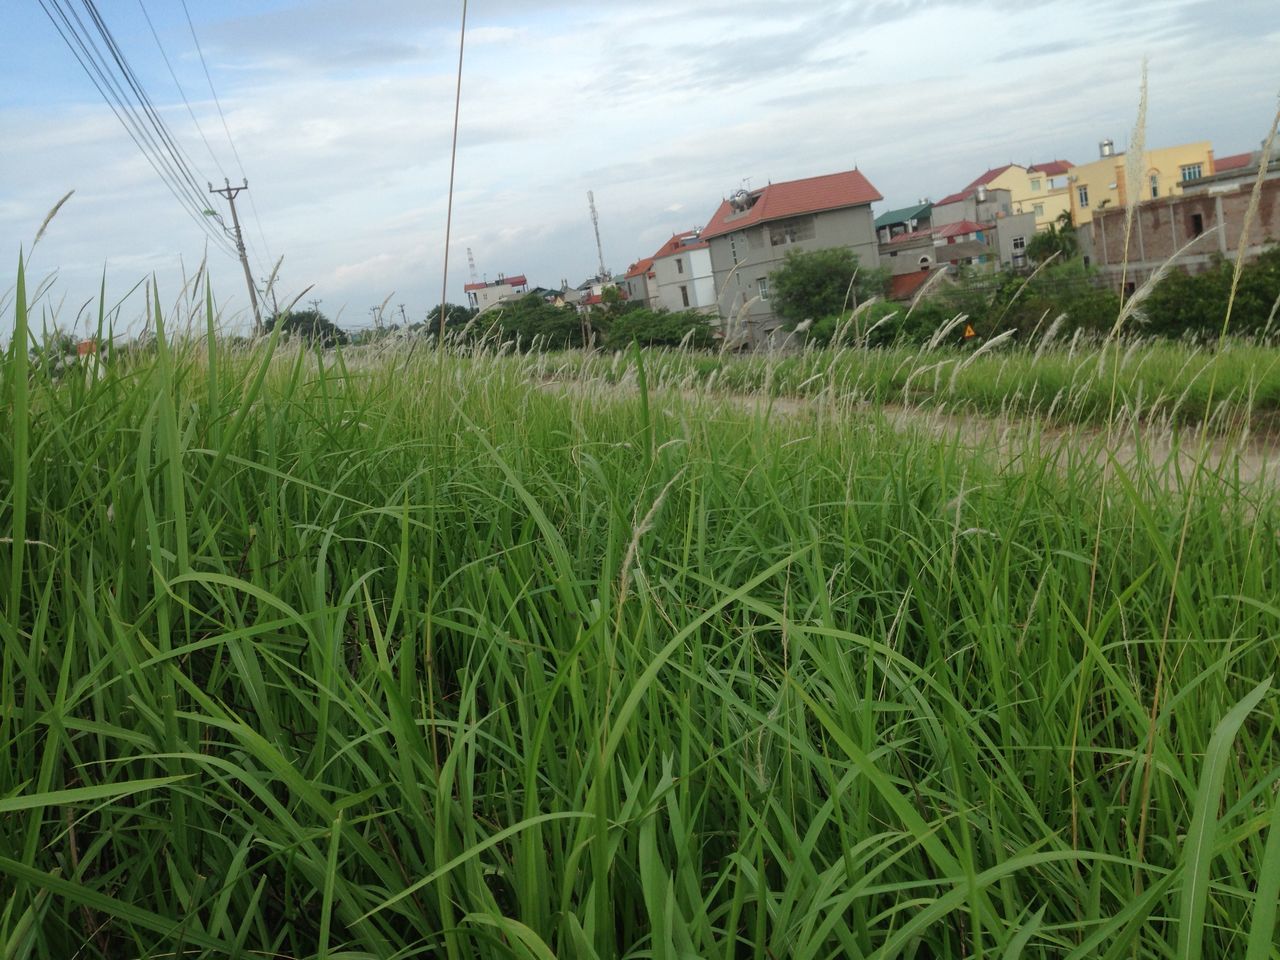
{"x":969,"y":333}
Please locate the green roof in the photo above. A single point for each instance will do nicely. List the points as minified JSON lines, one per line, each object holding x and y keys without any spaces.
{"x":902,"y":215}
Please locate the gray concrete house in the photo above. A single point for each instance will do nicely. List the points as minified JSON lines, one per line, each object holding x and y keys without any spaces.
{"x":752,"y":232}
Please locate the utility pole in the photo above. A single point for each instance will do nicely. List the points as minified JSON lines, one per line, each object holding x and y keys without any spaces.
{"x":229,"y":192}
{"x":595,"y":222}
{"x":269,"y":286}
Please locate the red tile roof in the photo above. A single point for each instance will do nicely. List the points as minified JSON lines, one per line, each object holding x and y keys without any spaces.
{"x":969,"y":191}
{"x":1054,"y":168}
{"x":677,"y":244}
{"x":638,"y":268}
{"x":794,"y":197}
{"x":904,"y":286}
{"x":516,"y":281}
{"x":1235,"y":161}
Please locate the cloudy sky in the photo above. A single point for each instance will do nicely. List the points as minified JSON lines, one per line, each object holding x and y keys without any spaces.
{"x":341,"y":113}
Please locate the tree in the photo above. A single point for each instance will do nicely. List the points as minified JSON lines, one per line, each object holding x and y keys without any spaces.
{"x":1060,"y":238}
{"x":456,"y":316}
{"x":310,"y":325}
{"x":532,"y":321}
{"x":816,"y":284}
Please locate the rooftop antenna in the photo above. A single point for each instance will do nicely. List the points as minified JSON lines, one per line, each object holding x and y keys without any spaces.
{"x":471,"y":262}
{"x":595,"y":222}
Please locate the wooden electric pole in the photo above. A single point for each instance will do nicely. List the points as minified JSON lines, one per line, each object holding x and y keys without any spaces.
{"x":230,"y":192}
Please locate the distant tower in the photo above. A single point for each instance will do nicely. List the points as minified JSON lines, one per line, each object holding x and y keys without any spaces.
{"x":595,"y":222}
{"x":471,"y":262}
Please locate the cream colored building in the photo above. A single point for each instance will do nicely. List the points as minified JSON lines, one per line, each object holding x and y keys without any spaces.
{"x":1102,"y":184}
{"x":1040,"y":189}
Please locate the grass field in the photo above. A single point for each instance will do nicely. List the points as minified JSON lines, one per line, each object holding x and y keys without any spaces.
{"x":1075,"y":381}
{"x":370,"y":655}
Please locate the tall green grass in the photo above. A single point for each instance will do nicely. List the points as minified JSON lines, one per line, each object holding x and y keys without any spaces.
{"x":1160,"y":382}
{"x":326,"y":655}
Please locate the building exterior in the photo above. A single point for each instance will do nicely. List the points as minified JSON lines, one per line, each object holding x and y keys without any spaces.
{"x":484,"y":296}
{"x":1211,"y":208}
{"x":1102,"y":185}
{"x":965,"y":243}
{"x":904,"y":220}
{"x":683,"y":274}
{"x":974,"y":204}
{"x":751,"y":233}
{"x":1047,"y":194}
{"x":639,"y":283}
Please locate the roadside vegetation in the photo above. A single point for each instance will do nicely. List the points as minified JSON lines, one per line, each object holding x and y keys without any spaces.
{"x":371,"y":652}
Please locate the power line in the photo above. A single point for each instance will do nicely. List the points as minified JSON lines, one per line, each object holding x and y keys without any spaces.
{"x":173,"y":172}
{"x":181,"y":92}
{"x":225,"y":127}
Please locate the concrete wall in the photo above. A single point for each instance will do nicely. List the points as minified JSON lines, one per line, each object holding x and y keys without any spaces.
{"x":905,"y":256}
{"x":999,"y":203}
{"x":637,"y":289}
{"x":756,"y":256}
{"x":1010,"y":229}
{"x":697,"y":281}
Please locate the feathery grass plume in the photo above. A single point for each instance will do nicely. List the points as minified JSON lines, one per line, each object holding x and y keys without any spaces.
{"x":1133,"y":305}
{"x":944,"y":329}
{"x":934,"y":280}
{"x":1050,"y":335}
{"x":1134,"y":164}
{"x":986,"y":347}
{"x":640,"y":529}
{"x":44,"y":225}
{"x":866,"y":337}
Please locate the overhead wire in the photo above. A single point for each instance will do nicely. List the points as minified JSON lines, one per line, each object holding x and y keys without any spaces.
{"x":226,"y":128}
{"x":181,"y":92}
{"x":175,"y":174}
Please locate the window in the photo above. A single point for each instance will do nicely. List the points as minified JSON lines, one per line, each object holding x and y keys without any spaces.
{"x":893,"y":253}
{"x":1035,"y":185}
{"x":684,"y":295}
{"x":1155,"y":185}
{"x":924,"y":263}
{"x":763,"y":284}
{"x":1192,"y":171}
{"x":1082,"y":194}
{"x":1019,"y":244}
{"x":1197,"y":224}
{"x":733,"y":248}
{"x":1039,"y":209}
{"x":791,"y":231}
{"x":679,"y":264}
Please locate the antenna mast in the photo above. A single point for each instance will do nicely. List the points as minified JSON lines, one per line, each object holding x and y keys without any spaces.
{"x":471,"y":262}
{"x":595,"y":222}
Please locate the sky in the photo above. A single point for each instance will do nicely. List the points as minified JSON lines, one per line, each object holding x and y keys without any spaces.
{"x":339,"y":114}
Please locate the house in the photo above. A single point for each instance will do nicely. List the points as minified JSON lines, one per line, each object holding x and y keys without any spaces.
{"x":682,"y":274}
{"x":751,"y":233}
{"x":1212,"y":207}
{"x":1102,"y":184}
{"x":486,"y":295}
{"x":639,"y":283}
{"x":904,"y":220}
{"x":1040,"y":189}
{"x":976,"y":203}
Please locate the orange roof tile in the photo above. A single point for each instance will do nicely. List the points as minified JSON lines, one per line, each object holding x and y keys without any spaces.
{"x":794,"y":197}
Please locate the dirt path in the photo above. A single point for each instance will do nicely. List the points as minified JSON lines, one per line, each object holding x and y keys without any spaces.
{"x":1171,"y":457}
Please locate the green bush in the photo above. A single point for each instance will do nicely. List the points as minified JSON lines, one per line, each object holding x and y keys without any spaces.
{"x":660,"y":328}
{"x":815,"y":284}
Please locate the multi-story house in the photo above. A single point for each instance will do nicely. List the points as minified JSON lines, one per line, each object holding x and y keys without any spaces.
{"x":752,"y":232}
{"x":484,"y":296}
{"x":1102,"y":184}
{"x":1040,"y":189}
{"x":682,"y":274}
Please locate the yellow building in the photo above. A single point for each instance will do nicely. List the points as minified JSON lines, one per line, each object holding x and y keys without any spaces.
{"x":1041,"y":188}
{"x":1101,"y":184}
